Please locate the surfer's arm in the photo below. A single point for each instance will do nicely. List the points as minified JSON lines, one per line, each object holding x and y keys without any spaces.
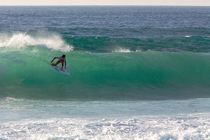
{"x":54,"y":59}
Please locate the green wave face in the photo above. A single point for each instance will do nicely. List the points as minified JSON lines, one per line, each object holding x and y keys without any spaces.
{"x":27,"y":73}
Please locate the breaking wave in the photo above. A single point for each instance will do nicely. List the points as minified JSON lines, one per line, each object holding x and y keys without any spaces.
{"x":136,"y":75}
{"x":22,"y":40}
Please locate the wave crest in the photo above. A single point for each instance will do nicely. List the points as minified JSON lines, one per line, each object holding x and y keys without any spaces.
{"x":122,"y":50}
{"x":22,"y":40}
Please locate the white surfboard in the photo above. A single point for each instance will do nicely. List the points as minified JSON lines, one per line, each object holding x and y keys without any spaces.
{"x":58,"y":69}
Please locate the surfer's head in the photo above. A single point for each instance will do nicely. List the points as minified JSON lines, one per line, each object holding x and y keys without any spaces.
{"x":63,"y":56}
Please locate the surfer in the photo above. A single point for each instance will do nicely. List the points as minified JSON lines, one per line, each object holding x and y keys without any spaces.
{"x":61,"y":60}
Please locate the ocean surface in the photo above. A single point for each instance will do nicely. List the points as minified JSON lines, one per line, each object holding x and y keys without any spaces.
{"x":135,"y":73}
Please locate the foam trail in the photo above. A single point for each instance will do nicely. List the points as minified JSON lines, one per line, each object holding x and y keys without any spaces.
{"x":23,"y":40}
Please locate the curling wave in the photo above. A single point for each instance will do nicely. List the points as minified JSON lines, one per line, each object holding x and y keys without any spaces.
{"x":135,"y":75}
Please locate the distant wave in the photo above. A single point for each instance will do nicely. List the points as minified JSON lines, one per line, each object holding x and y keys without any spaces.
{"x":55,"y":41}
{"x":110,"y":44}
{"x":22,"y":40}
{"x":187,"y":36}
{"x":122,"y":50}
{"x":125,"y":50}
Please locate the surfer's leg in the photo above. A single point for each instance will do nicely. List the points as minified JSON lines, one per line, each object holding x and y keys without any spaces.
{"x":62,"y":67}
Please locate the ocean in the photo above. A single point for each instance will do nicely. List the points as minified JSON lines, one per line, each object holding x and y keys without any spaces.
{"x":136,"y":72}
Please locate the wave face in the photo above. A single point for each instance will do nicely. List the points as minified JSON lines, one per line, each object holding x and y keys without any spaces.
{"x":113,"y":52}
{"x":26,"y":73}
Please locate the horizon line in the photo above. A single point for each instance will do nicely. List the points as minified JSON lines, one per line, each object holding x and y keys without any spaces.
{"x":106,"y":5}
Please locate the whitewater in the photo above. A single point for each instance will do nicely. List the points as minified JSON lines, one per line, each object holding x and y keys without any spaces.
{"x":149,"y":120}
{"x":135,"y":73}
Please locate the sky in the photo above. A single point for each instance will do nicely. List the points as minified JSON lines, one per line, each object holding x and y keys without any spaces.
{"x":107,"y":2}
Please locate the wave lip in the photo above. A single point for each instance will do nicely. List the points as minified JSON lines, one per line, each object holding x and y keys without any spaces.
{"x":23,"y":40}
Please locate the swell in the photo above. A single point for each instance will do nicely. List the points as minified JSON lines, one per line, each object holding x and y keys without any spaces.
{"x":101,"y":76}
{"x":170,"y":43}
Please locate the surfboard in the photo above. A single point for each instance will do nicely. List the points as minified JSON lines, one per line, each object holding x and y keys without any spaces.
{"x":58,"y":69}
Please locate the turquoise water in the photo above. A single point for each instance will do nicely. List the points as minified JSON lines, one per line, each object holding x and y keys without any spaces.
{"x":135,"y":75}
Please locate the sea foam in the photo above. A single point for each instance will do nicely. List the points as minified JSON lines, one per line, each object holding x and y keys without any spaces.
{"x":147,"y":120}
{"x":148,"y":128}
{"x":22,"y":40}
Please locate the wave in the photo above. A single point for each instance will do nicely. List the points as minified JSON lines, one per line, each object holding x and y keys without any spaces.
{"x":22,"y":40}
{"x":125,"y":71}
{"x":114,"y":44}
{"x":187,"y":36}
{"x":122,"y":50}
{"x":101,"y":76}
{"x":66,"y":43}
